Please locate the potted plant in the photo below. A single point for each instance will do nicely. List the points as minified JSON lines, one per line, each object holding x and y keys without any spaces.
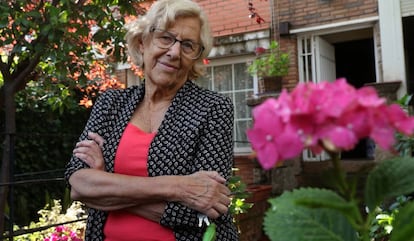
{"x":270,"y":65}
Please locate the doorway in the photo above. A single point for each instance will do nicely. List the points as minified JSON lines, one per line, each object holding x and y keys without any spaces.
{"x":347,"y":54}
{"x":355,"y":60}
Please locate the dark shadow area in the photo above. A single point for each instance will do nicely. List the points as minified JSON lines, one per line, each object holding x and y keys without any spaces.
{"x":355,"y":60}
{"x":408,"y":30}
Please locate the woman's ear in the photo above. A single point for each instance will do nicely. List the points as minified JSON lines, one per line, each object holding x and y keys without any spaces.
{"x":141,"y":46}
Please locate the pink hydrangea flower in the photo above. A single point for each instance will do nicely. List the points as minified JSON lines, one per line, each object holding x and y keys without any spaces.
{"x":60,"y":228}
{"x":330,"y":116}
{"x":63,"y":233}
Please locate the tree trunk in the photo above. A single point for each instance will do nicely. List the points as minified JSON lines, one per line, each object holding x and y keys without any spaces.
{"x":8,"y":149}
{"x":13,"y":82}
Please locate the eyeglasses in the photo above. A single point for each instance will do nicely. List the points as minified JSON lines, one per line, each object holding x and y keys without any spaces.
{"x":164,"y":39}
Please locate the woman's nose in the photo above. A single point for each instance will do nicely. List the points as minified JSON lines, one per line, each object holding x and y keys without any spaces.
{"x":175,"y":49}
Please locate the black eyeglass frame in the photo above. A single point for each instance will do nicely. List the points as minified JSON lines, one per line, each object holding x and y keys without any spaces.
{"x":153,"y":29}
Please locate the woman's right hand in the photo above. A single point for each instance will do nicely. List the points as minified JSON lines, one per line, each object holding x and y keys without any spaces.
{"x":206,"y":192}
{"x":90,"y":151}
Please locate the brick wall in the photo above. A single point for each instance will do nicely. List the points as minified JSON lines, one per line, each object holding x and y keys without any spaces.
{"x":246,"y":169}
{"x":289,"y":44}
{"x":231,"y":16}
{"x":309,"y":13}
{"x":306,"y":13}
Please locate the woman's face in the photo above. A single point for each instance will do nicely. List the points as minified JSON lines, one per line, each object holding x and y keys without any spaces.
{"x":169,"y":67}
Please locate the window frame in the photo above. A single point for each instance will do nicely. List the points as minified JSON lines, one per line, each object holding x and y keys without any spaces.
{"x":232,"y":61}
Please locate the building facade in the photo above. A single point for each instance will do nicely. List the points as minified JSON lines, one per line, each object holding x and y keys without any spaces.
{"x":369,"y":42}
{"x":365,"y":41}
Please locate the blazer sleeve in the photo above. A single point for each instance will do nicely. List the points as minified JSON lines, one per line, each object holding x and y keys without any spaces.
{"x":95,"y":123}
{"x":216,"y":144}
{"x":214,"y":153}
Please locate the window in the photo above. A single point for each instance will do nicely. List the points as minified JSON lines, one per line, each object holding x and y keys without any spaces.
{"x":232,"y":80}
{"x":316,"y":63}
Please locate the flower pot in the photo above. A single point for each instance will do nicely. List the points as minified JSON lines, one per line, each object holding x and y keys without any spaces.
{"x":250,"y":224}
{"x":271,"y":84}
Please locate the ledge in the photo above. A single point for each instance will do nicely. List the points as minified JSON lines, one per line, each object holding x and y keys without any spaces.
{"x":259,"y":98}
{"x":350,"y":166}
{"x":386,"y":89}
{"x":314,"y":173}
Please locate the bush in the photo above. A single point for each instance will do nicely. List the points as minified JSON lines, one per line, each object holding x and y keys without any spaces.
{"x":55,"y":225}
{"x":44,"y":142}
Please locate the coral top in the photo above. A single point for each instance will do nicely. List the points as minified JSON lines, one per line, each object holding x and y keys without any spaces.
{"x":131,"y":159}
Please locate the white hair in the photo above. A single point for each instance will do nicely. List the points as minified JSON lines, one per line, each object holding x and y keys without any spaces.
{"x":162,"y":14}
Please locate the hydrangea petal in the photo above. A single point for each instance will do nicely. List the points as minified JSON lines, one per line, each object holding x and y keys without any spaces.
{"x":384,"y":137}
{"x":268,"y":157}
{"x":402,"y":122}
{"x":358,"y":120}
{"x":368,"y":97}
{"x":289,"y":143}
{"x":341,"y":137}
{"x":264,"y":144}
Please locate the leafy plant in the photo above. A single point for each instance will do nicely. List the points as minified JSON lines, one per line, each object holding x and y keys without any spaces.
{"x":239,"y":194}
{"x":384,"y":220}
{"x":315,"y":214}
{"x":382,"y":225}
{"x":237,"y":206}
{"x":271,"y":62}
{"x":405,"y":143}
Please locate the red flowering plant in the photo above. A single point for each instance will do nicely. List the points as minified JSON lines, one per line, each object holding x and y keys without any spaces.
{"x":63,"y":233}
{"x":333,"y":117}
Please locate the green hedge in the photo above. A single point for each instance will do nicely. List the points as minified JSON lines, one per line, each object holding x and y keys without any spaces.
{"x":44,"y":142}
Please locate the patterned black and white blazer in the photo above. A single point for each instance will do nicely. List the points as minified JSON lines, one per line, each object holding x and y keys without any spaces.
{"x":196,"y":134}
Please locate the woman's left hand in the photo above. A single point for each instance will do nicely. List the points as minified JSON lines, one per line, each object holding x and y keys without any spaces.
{"x":204,"y":191}
{"x":90,"y":151}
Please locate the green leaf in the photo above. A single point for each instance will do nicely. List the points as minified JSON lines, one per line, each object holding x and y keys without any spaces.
{"x":63,"y":16}
{"x":389,"y":179}
{"x":3,"y":23}
{"x":403,"y":225}
{"x":210,"y":234}
{"x":292,"y":218}
{"x":101,"y":35}
{"x":54,"y":15}
{"x":317,"y":198}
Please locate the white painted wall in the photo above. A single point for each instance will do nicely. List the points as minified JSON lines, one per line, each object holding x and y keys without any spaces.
{"x":392,"y":43}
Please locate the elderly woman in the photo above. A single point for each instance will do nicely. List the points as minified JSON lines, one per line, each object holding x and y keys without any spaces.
{"x":154,"y":158}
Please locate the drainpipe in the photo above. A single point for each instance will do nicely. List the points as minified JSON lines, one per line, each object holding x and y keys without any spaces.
{"x":274,"y":20}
